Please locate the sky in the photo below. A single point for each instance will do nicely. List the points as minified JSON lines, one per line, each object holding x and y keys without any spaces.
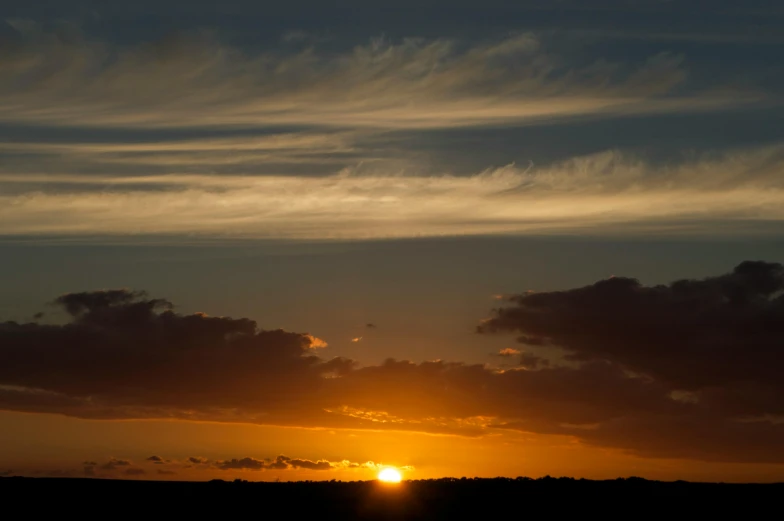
{"x":464,"y":239}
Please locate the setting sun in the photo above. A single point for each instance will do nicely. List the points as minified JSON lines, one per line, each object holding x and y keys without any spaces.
{"x":389,"y":476}
{"x":392,"y":263}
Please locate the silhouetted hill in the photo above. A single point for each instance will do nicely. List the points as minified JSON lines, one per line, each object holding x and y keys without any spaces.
{"x":446,"y":498}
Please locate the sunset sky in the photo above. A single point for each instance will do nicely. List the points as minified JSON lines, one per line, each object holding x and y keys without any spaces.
{"x":302,"y":242}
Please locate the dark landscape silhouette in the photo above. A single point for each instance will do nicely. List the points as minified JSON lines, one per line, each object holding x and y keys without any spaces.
{"x":427,"y":499}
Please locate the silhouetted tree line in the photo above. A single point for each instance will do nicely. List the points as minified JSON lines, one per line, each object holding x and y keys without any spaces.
{"x":425,"y":499}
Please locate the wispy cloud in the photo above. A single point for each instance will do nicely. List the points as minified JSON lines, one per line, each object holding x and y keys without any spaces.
{"x":607,"y":192}
{"x":196,"y":79}
{"x":307,"y":141}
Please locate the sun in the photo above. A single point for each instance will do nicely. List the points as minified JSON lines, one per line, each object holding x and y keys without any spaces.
{"x":389,"y":475}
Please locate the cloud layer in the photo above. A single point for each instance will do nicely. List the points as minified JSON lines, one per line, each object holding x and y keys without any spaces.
{"x":114,"y":467}
{"x":195,"y":134}
{"x":193,"y":78}
{"x":686,"y":370}
{"x":610,"y":192}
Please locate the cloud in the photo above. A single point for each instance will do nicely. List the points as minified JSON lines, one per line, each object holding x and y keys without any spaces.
{"x":311,"y":465}
{"x":371,"y":326}
{"x":532,"y":361}
{"x":689,"y":369}
{"x":692,"y":334}
{"x":116,"y":337}
{"x":357,"y":339}
{"x":412,"y":82}
{"x":242,"y":464}
{"x":284,"y":463}
{"x":188,"y":135}
{"x":509,"y":351}
{"x":280,"y":462}
{"x":113,"y":463}
{"x":604,"y":193}
{"x":157,"y":460}
{"x":315,"y":343}
{"x":714,"y":342}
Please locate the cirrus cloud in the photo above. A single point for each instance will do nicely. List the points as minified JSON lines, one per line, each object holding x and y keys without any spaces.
{"x":610,"y":192}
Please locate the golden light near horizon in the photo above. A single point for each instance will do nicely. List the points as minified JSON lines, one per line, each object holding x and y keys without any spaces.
{"x":390,"y":475}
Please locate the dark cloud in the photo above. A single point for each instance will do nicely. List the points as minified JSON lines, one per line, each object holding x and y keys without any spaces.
{"x":592,"y":393}
{"x":281,"y":463}
{"x":113,"y":463}
{"x":198,"y":460}
{"x":311,"y":465}
{"x":124,"y":349}
{"x":164,"y":472}
{"x":242,"y":464}
{"x":77,"y":304}
{"x":683,"y":370}
{"x":526,"y":359}
{"x":370,"y":326}
{"x":692,"y":334}
{"x":715,"y":343}
{"x":532,"y":361}
{"x":134,"y":472}
{"x":157,"y":460}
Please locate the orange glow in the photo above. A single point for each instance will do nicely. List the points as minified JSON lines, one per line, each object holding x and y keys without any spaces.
{"x":390,"y":475}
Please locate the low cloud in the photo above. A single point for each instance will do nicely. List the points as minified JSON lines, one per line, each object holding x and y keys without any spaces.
{"x":242,"y":464}
{"x":311,"y":465}
{"x":696,"y":335}
{"x":690,"y":369}
{"x":113,"y":463}
{"x":715,"y":343}
{"x":285,"y":463}
{"x":118,"y":468}
{"x":126,"y":337}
